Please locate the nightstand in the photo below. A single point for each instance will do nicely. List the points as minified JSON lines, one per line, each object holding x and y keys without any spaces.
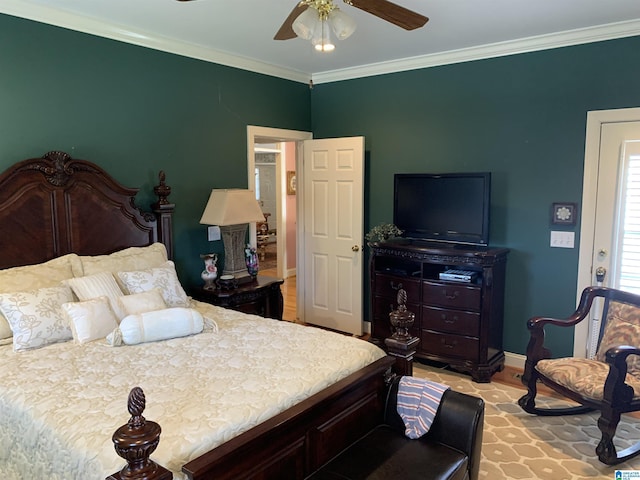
{"x":261,"y":296}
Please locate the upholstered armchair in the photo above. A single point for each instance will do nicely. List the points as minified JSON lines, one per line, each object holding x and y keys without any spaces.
{"x":610,"y":382}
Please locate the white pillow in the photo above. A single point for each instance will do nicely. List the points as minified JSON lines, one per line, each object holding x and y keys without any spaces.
{"x":90,"y":320}
{"x":164,"y":278}
{"x":98,"y":285}
{"x":5,"y":328}
{"x":33,"y":277}
{"x":36,"y":317}
{"x":132,"y":258}
{"x":157,"y":325}
{"x":142,"y":302}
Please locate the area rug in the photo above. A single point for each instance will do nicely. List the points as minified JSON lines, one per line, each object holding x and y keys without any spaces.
{"x":517,"y":445}
{"x":268,"y":257}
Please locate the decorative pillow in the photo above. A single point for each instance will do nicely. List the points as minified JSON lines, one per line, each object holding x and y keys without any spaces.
{"x":623,"y":327}
{"x":132,"y":258}
{"x":36,"y":317}
{"x":98,"y":285}
{"x":142,"y":302}
{"x":5,"y":329}
{"x":157,"y":325}
{"x":164,"y":278}
{"x":34,"y":277}
{"x":90,"y":320}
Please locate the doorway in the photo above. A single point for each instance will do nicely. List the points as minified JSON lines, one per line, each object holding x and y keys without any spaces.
{"x":611,"y":149}
{"x":286,"y":145}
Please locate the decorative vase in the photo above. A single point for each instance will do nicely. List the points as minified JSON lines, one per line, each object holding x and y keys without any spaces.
{"x":210,"y":272}
{"x":251,"y":258}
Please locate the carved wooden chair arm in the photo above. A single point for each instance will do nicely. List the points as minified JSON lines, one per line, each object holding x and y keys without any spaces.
{"x":616,"y":391}
{"x":582,"y":312}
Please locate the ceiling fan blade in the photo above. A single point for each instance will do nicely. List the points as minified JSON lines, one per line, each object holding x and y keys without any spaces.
{"x":286,"y":31}
{"x":391,"y":12}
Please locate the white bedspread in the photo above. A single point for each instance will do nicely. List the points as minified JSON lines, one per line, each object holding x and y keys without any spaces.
{"x":59,"y":405}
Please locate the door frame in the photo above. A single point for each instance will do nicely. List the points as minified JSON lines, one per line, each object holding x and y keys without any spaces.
{"x":595,"y":120}
{"x":257,"y":134}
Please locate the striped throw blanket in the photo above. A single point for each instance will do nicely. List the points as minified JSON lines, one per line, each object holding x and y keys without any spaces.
{"x":418,"y":401}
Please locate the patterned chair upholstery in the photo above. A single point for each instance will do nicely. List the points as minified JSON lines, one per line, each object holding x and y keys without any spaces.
{"x":610,"y":382}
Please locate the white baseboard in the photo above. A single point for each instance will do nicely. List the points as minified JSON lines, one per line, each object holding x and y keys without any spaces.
{"x":514,"y":360}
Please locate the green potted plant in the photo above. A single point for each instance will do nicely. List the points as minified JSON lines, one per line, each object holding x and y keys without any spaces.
{"x":382,"y":233}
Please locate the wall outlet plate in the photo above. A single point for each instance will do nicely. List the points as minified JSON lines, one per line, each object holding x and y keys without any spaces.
{"x":213,"y":233}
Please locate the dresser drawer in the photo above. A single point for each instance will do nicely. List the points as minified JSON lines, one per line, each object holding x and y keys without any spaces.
{"x":449,"y":345}
{"x":451,"y":321}
{"x":458,"y":296}
{"x":387,"y":286}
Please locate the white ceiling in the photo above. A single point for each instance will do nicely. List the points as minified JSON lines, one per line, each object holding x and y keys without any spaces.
{"x":240,"y":32}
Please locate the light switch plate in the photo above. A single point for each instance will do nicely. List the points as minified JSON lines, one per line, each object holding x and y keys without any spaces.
{"x":213,"y":233}
{"x":562,"y":239}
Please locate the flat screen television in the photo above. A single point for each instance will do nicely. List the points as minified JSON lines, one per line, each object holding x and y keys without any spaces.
{"x":443,"y":207}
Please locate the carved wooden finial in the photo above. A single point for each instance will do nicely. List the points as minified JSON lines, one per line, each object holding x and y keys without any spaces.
{"x":402,"y":300}
{"x":162,"y":190}
{"x":136,"y":441}
{"x":136,"y":405}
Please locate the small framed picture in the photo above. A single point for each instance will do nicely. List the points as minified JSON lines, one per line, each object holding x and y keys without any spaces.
{"x":291,"y":182}
{"x":564,"y":213}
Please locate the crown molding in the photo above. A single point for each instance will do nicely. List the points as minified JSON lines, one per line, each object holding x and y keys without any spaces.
{"x":51,"y":16}
{"x":58,"y":18}
{"x":530,"y":44}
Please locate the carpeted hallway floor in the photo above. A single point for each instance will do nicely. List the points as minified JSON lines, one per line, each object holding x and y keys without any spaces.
{"x":517,"y":445}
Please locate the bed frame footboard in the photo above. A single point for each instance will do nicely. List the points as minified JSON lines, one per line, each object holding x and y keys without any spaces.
{"x":298,"y":441}
{"x":290,"y":445}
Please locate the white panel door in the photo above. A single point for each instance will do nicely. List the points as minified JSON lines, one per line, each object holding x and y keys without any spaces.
{"x":332,"y":185}
{"x":610,"y":232}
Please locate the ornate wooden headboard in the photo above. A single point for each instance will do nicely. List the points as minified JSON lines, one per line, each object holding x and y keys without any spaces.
{"x":55,"y":205}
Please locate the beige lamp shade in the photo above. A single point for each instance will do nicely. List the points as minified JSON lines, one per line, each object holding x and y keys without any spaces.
{"x":231,"y":207}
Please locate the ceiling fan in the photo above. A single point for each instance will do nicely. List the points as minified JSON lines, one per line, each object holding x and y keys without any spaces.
{"x":388,"y":11}
{"x":309,"y":19}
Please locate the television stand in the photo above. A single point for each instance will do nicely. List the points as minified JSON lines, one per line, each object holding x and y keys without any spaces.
{"x":459,"y":323}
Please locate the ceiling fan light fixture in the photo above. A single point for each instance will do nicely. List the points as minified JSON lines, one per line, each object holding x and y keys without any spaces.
{"x":321,"y":40}
{"x":306,"y":23}
{"x":341,"y":23}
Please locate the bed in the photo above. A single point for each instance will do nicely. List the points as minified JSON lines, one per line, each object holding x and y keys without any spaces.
{"x":242,"y":397}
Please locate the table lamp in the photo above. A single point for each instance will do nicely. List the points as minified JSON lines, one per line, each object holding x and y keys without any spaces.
{"x":232,"y":210}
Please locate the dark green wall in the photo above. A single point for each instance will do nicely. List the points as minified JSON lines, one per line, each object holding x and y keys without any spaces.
{"x":523,"y":118}
{"x":135,"y":111}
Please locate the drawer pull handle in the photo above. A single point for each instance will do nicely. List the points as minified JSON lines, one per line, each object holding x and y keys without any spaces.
{"x":450,"y":296}
{"x":448,"y":345}
{"x":394,"y":286}
{"x":445,"y":318}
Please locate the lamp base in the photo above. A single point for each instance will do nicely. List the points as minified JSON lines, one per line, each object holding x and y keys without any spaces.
{"x":233,"y":238}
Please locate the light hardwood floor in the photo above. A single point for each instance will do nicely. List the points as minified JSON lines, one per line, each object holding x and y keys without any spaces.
{"x":288,"y":293}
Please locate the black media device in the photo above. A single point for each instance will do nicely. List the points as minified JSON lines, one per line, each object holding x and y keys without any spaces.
{"x":443,"y":207}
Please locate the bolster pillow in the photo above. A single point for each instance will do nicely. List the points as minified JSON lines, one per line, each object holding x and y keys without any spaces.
{"x":157,"y":325}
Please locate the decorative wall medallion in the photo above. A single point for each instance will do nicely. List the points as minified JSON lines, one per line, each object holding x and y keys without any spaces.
{"x":564,"y":213}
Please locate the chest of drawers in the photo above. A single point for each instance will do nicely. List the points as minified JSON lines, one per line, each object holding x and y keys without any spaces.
{"x":458,"y":323}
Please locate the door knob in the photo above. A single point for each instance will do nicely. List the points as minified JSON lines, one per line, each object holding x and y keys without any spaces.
{"x":355,"y":248}
{"x":600,"y":273}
